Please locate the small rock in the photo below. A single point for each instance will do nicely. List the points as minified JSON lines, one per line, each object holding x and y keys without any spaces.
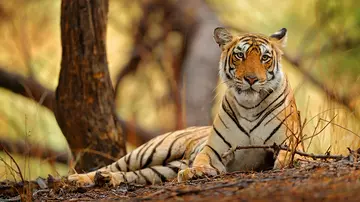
{"x":42,"y":183}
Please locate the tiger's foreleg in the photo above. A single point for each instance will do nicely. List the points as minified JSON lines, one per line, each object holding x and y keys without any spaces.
{"x":207,"y":163}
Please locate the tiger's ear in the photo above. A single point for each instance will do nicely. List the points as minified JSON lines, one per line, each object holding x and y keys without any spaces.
{"x":222,"y":36}
{"x":280,"y":37}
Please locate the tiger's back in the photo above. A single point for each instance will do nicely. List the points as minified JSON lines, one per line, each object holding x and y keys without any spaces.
{"x":258,"y":109}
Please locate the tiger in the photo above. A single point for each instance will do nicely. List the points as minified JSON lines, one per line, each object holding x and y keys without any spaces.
{"x":258,"y":108}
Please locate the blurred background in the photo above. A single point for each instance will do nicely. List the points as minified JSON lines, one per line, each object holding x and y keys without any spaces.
{"x":164,"y":67}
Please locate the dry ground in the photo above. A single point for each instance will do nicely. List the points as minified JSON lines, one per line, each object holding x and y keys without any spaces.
{"x":309,"y":181}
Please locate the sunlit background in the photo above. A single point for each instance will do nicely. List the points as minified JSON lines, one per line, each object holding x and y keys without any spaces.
{"x":321,"y":58}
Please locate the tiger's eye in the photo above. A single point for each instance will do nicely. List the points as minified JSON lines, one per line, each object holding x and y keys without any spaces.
{"x":239,"y":55}
{"x":265,"y":57}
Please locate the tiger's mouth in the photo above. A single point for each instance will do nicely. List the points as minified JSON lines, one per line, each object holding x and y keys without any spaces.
{"x":249,"y":90}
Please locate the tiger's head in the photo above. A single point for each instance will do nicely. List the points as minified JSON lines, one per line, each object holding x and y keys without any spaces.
{"x":250,"y":63}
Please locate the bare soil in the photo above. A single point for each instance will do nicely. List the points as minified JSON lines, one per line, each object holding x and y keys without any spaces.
{"x":309,"y":181}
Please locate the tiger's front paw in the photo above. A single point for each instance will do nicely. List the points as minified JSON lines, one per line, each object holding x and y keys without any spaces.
{"x":82,"y":179}
{"x":196,"y":172}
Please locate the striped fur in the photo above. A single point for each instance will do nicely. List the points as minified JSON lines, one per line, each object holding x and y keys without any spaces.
{"x":258,"y":108}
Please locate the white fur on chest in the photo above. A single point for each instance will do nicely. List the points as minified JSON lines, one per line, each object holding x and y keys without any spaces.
{"x":259,"y":123}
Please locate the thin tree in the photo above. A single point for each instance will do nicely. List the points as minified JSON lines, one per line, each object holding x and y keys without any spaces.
{"x":85,"y":96}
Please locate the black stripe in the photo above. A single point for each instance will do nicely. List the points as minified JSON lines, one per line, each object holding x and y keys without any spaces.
{"x":145,"y":178}
{"x":150,"y":157}
{"x":272,"y":74}
{"x":257,"y":116}
{"x":117,"y":166}
{"x":216,"y":153}
{"x":183,"y":162}
{"x":231,"y":114}
{"x":211,"y":165}
{"x":253,"y":107}
{"x":135,"y":173}
{"x":226,"y":61}
{"x":276,"y":115}
{"x":245,"y":40}
{"x":143,"y":154}
{"x":262,"y":40}
{"x":250,"y":37}
{"x":273,"y":64}
{"x":173,"y":168}
{"x":242,"y":117}
{"x":222,"y":137}
{"x":253,"y":47}
{"x":227,"y":64}
{"x":124,"y":176}
{"x":282,"y":93}
{"x":269,"y":112}
{"x":222,"y":121}
{"x":127,"y":161}
{"x":143,"y":147}
{"x":277,"y":128}
{"x":161,"y":176}
{"x":168,"y":155}
{"x":137,"y":177}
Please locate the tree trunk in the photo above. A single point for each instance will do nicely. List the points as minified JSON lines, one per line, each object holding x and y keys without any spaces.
{"x":200,"y":68}
{"x":85,"y":96}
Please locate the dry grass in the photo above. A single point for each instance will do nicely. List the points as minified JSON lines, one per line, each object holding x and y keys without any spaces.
{"x":309,"y":181}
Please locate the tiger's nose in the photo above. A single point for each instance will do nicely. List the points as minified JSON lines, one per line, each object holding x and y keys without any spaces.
{"x":251,"y":79}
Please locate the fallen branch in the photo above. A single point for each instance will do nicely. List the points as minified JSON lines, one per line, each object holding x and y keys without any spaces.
{"x":33,"y":90}
{"x":276,"y":147}
{"x":27,"y":87}
{"x":34,"y":150}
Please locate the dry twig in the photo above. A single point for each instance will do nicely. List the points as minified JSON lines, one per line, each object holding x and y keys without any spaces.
{"x":285,"y":148}
{"x":16,"y":164}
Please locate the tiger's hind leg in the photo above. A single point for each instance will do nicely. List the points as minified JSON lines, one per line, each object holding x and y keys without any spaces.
{"x":150,"y":175}
{"x":84,"y":179}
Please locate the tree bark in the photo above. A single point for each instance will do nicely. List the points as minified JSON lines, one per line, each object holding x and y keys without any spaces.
{"x":85,"y":96}
{"x":200,"y":72}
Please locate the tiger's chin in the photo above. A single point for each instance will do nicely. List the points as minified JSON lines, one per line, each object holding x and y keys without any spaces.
{"x":247,"y":96}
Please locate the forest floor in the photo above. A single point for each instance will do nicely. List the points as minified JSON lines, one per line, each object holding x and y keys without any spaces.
{"x":309,"y":181}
